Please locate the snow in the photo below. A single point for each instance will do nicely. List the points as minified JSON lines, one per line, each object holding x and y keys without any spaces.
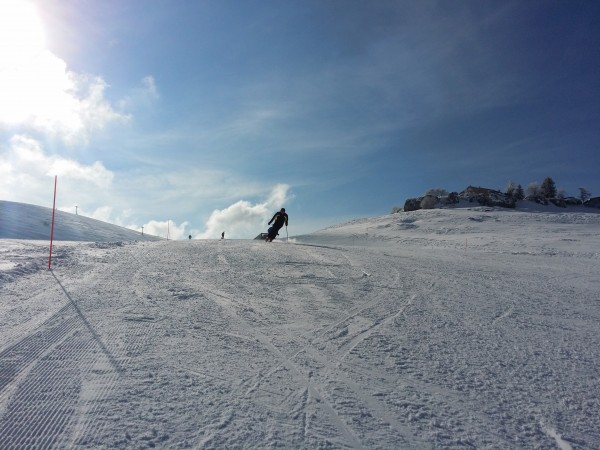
{"x":24,"y":221}
{"x":447,"y":328}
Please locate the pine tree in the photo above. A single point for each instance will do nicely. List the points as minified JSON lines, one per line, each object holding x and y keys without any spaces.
{"x":584,"y":194}
{"x":548,"y":188}
{"x":511,"y":189}
{"x":520,"y":194}
{"x":534,"y":190}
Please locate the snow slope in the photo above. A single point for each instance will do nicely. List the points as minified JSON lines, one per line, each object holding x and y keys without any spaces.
{"x":24,"y":221}
{"x":464,"y":328}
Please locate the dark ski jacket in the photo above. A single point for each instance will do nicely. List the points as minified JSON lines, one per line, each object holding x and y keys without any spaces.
{"x":280,"y":219}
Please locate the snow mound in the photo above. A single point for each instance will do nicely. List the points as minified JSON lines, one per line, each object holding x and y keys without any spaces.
{"x":31,"y":222}
{"x":534,"y":231}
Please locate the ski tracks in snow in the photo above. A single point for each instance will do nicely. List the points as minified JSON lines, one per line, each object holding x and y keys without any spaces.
{"x":221,"y":344}
{"x":336,"y":384}
{"x":315,"y":365}
{"x":53,"y":380}
{"x":40,"y":376}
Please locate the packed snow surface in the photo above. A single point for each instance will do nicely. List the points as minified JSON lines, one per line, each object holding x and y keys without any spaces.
{"x":464,"y":328}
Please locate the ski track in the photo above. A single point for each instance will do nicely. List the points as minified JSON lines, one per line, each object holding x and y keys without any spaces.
{"x":373,"y":403}
{"x":45,"y":373}
{"x":325,"y":346}
{"x":311,"y":390}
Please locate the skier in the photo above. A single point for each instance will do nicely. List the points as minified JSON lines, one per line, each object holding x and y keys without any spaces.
{"x":223,"y":235}
{"x":280,"y":218}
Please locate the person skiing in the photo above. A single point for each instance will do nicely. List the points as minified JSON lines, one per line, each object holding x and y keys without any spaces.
{"x":279,"y":219}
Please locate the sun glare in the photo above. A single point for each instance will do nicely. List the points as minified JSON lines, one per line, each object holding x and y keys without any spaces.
{"x":21,"y":32}
{"x":23,"y":60}
{"x":35,"y":87}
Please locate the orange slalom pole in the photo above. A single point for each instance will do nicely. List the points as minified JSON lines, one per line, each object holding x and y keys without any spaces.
{"x":52,"y":229}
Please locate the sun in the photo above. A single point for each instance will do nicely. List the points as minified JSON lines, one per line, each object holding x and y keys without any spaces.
{"x":21,"y":33}
{"x":22,"y":47}
{"x":35,"y":88}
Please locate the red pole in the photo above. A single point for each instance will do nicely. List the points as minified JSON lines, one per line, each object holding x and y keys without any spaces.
{"x":52,"y":229}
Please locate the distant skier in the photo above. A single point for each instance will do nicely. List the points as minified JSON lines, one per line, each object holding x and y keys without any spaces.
{"x":223,"y":235}
{"x":279,"y":218}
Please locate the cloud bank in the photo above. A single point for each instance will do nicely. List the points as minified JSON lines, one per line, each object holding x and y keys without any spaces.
{"x":167,"y":229}
{"x":243,"y":219}
{"x":27,"y":172}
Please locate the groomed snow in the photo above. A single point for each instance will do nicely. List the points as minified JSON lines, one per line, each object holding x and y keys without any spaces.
{"x":24,"y":221}
{"x":462,"y":328}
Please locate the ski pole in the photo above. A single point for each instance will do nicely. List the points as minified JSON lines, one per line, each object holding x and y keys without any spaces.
{"x":287,"y":236}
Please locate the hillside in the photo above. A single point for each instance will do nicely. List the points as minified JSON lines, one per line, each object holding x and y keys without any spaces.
{"x":24,"y":221}
{"x":469,"y":327}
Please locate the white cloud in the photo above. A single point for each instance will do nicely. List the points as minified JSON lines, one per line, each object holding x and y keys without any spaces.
{"x":165,"y":229}
{"x":142,"y":96}
{"x":150,"y":87}
{"x":36,"y":88}
{"x":279,"y":196}
{"x":102,"y":213}
{"x":95,"y":174}
{"x":244,"y":219}
{"x":27,"y":173}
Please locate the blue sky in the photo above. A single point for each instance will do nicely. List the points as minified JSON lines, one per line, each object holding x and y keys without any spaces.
{"x":208,"y":116}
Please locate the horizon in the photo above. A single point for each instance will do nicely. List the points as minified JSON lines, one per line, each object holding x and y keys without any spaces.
{"x":205,"y":117}
{"x":22,"y":221}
